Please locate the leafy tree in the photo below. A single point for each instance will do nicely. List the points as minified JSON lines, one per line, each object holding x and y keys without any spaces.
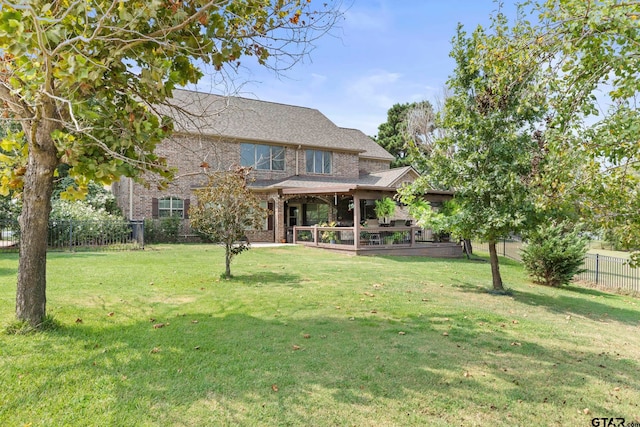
{"x":487,"y":151}
{"x":554,"y":253}
{"x":226,"y":210}
{"x":592,"y":90}
{"x":408,"y":125}
{"x":83,"y":79}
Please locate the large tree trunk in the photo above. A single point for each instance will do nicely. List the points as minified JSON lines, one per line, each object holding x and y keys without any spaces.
{"x":495,"y":267}
{"x":34,"y":222}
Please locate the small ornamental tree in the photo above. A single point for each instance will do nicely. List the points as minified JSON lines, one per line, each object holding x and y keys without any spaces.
{"x":554,"y":254}
{"x":226,"y":210}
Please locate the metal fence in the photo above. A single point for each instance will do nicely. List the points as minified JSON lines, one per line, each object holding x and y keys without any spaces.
{"x":71,"y":235}
{"x":509,"y":248}
{"x":610,"y":272}
{"x":605,"y":271}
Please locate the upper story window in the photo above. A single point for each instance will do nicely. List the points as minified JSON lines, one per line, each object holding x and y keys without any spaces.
{"x":171,"y":206}
{"x":318,"y":161}
{"x":262,"y":157}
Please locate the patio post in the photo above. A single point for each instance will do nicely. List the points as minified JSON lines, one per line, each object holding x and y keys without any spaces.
{"x":356,"y":220}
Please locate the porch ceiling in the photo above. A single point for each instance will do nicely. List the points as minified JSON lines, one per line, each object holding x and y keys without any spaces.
{"x":333,"y":189}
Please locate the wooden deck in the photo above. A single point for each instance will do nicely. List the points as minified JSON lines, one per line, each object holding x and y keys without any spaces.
{"x":401,"y":241}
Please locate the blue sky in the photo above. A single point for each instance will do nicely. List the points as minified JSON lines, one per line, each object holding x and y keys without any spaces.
{"x":384,"y":52}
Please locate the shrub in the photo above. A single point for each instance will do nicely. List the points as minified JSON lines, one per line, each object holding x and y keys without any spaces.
{"x":554,"y":253}
{"x":163,"y":230}
{"x":74,"y":222}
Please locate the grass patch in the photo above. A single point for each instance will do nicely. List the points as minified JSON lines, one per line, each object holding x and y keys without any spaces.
{"x":304,"y":337}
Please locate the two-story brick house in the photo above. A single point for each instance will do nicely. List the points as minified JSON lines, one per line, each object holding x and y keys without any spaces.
{"x":306,"y":169}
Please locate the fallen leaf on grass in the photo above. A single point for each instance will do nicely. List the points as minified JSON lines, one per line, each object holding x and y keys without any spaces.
{"x":194,"y":321}
{"x":158,"y":325}
{"x":369,"y":294}
{"x":296,"y":347}
{"x":467,"y":374}
{"x":78,"y":320}
{"x":196,"y":347}
{"x":374,"y":311}
{"x":516,"y":344}
{"x":155,"y":350}
{"x":306,"y":336}
{"x":110,"y":314}
{"x":402,"y":333}
{"x":586,"y":411}
{"x":515,"y":322}
{"x":274,"y":388}
{"x":446,"y":334}
{"x":616,"y":389}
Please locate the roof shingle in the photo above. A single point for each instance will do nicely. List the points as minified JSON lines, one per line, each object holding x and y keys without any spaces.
{"x":249,"y":119}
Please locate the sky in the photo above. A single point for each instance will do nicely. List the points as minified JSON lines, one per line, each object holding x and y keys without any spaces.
{"x":382,"y":53}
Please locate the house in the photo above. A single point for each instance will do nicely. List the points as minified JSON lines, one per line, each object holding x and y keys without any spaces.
{"x":306,"y":169}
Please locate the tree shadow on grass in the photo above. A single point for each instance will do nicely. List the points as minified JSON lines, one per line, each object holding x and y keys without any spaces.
{"x":565,"y":303}
{"x":8,"y":271}
{"x":268,"y":277}
{"x":203,"y":369}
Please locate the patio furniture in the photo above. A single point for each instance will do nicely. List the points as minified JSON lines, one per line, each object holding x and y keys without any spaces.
{"x":374,"y":239}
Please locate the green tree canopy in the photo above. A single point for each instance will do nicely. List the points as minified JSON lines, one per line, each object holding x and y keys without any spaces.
{"x":408,"y":125}
{"x":83,"y":78}
{"x":489,"y":142}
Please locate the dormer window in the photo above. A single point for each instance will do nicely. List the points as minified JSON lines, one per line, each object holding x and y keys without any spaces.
{"x":318,"y":162}
{"x":262,"y":157}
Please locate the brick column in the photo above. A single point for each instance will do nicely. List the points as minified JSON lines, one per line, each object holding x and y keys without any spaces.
{"x":280,"y":229}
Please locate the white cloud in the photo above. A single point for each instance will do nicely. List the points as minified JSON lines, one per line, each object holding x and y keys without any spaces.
{"x":317,"y":79}
{"x":375,"y":17}
{"x":373,"y":89}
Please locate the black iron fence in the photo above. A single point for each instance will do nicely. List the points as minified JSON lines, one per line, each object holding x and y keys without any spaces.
{"x":611,"y":272}
{"x":71,"y":235}
{"x":602,"y":270}
{"x":509,"y":248}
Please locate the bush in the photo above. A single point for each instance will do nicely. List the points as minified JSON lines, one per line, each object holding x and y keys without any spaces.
{"x":76,"y":222}
{"x":554,"y":254}
{"x":163,"y":230}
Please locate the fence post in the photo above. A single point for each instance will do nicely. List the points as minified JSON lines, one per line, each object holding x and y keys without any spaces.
{"x":70,"y":234}
{"x":597,"y":267}
{"x":504,"y":247}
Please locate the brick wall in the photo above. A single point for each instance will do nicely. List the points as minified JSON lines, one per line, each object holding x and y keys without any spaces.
{"x":373,"y":165}
{"x":193,"y":155}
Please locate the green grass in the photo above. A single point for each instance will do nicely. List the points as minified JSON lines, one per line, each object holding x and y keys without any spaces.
{"x":303,"y":337}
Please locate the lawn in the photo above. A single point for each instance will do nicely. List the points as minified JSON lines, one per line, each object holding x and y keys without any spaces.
{"x":302,"y":337}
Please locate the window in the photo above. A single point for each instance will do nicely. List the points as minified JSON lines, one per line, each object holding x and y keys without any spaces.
{"x":170,"y":206}
{"x":318,"y":161}
{"x":315,"y":213}
{"x":262,"y":157}
{"x":267,"y":222}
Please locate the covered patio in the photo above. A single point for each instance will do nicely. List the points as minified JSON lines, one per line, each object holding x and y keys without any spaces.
{"x":363,"y":236}
{"x":339,"y":215}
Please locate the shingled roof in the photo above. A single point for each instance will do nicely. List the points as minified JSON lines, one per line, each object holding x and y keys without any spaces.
{"x":385,"y":180}
{"x":253,"y":120}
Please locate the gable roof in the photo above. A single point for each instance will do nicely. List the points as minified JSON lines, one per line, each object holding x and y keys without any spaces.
{"x":253,"y":120}
{"x":373,"y":150}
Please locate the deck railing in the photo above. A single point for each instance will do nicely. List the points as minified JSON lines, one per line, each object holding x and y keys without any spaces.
{"x":368,"y":237}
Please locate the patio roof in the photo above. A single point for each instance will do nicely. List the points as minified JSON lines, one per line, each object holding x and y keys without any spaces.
{"x":388,"y":180}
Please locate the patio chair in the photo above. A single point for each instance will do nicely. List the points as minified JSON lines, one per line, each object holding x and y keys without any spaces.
{"x":374,"y":239}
